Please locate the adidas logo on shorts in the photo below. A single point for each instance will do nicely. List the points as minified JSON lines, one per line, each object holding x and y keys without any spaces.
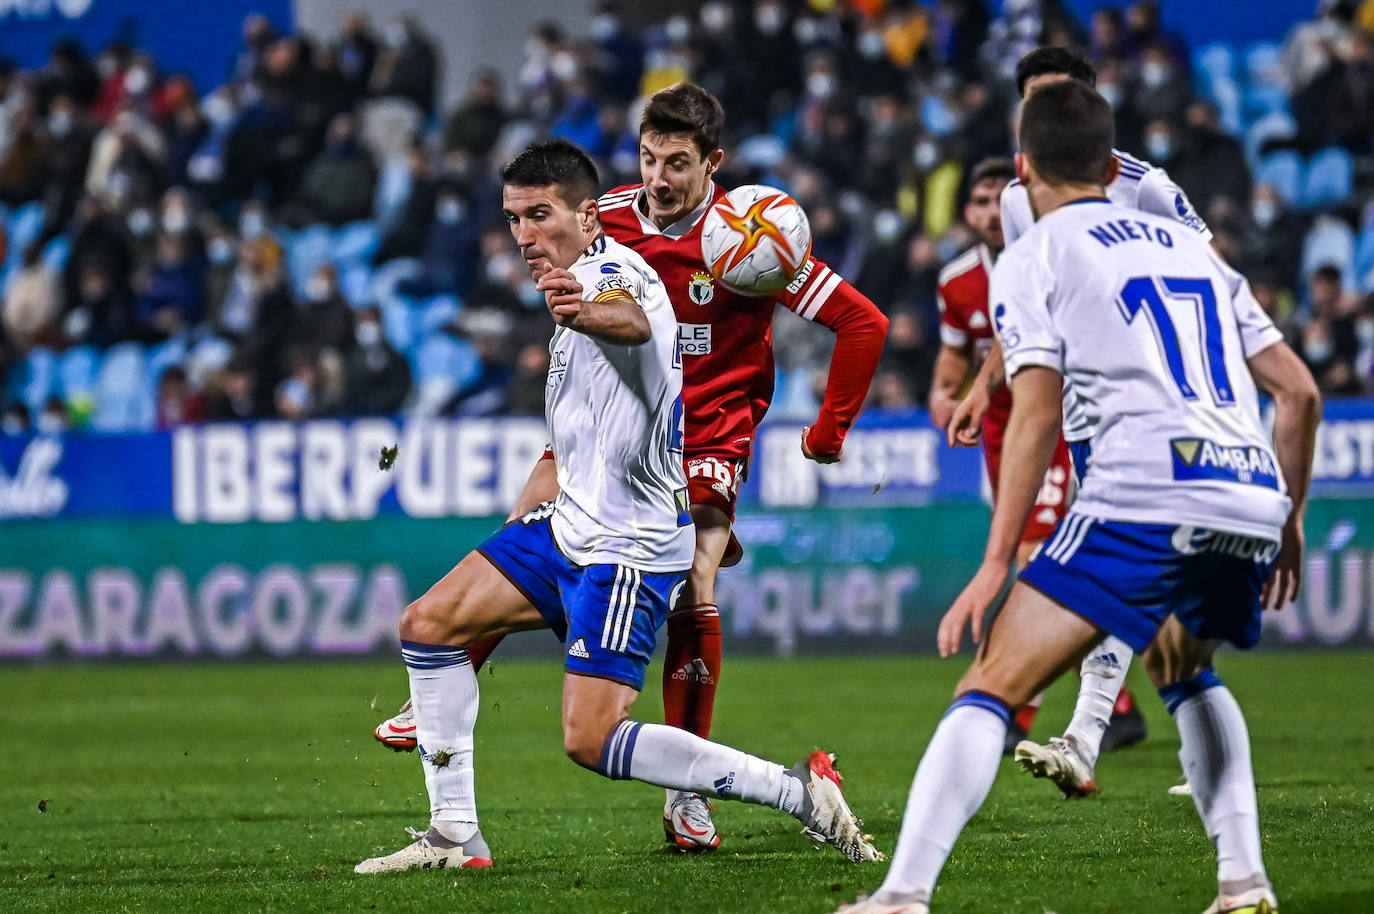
{"x":579,"y":650}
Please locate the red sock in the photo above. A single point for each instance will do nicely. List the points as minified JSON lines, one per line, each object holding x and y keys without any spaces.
{"x":1125,"y":701}
{"x":479,"y":651}
{"x":1025,"y":715}
{"x":691,"y":668}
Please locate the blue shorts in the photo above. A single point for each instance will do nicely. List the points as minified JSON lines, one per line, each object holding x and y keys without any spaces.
{"x":608,"y":616}
{"x":1082,"y":454}
{"x":1127,"y":578}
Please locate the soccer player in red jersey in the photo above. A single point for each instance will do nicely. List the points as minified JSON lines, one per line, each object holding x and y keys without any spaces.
{"x":727,"y":351}
{"x":966,"y":334}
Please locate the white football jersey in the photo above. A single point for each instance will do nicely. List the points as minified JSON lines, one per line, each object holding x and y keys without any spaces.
{"x":614,"y":417}
{"x":1151,"y":331}
{"x":1138,"y":185}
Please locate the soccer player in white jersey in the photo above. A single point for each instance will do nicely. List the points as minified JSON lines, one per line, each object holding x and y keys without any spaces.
{"x":1189,"y":522}
{"x":601,"y":565}
{"x":1070,"y":761}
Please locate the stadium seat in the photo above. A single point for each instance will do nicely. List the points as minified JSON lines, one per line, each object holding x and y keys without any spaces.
{"x":207,"y":357}
{"x":761,"y":151}
{"x":123,"y":399}
{"x":1264,"y":99}
{"x":1216,"y":61}
{"x":76,"y":372}
{"x":438,"y":312}
{"x":33,"y":380}
{"x":355,"y":243}
{"x":937,"y":116}
{"x":1329,"y":180}
{"x":1226,"y":95}
{"x":388,"y":275}
{"x":400,"y":324}
{"x":1282,"y":169}
{"x":55,"y":254}
{"x":1363,"y":268}
{"x":1277,"y":126}
{"x":1330,"y":242}
{"x":24,"y":225}
{"x":442,"y":365}
{"x":355,"y":283}
{"x":1263,"y":64}
{"x":162,"y":356}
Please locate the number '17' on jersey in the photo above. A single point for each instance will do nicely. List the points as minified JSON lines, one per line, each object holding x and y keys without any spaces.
{"x":1151,"y":332}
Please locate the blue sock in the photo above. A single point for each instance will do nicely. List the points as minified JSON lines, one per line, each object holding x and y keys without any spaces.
{"x":1176,"y":693}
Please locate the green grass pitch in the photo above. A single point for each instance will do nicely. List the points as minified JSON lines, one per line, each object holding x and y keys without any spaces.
{"x":256,"y":787}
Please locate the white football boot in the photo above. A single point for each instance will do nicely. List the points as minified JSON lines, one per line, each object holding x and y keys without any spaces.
{"x":825,"y":815}
{"x":872,"y":905}
{"x":687,"y":824}
{"x":398,"y":732}
{"x":1258,"y":900}
{"x":432,"y":851}
{"x":1060,"y":761}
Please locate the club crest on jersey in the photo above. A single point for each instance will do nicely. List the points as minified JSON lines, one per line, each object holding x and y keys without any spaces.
{"x":702,"y":288}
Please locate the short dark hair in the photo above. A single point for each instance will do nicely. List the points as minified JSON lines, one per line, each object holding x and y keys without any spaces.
{"x":1328,"y":272}
{"x":555,"y":163}
{"x":1067,"y":132}
{"x":685,"y":108}
{"x":1072,"y":62}
{"x":992,"y":170}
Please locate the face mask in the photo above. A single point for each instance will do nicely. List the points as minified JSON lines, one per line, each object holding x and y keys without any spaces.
{"x":1111,"y":93}
{"x":1154,"y":75}
{"x":887,"y":225}
{"x":137,"y":81}
{"x":1265,"y":212}
{"x":716,"y":17}
{"x":1159,"y":146}
{"x":871,"y":45}
{"x":677,"y":29}
{"x":140,"y":222}
{"x":449,"y":211}
{"x":77,"y":323}
{"x":176,"y":220}
{"x":601,"y":27}
{"x":769,"y":19}
{"x":926,"y":155}
{"x":106,"y":66}
{"x":51,"y":423}
{"x":251,"y":224}
{"x":13,"y":425}
{"x":368,"y":334}
{"x":1319,"y":350}
{"x":221,"y":251}
{"x":395,"y":35}
{"x":318,"y":289}
{"x":219,"y":110}
{"x":60,"y":124}
{"x":820,"y":85}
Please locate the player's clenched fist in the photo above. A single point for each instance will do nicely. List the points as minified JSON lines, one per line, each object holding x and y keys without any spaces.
{"x":562,"y":295}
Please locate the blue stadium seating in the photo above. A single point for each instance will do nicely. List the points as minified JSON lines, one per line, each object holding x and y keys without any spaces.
{"x":1363,"y":267}
{"x":1262,"y":64}
{"x":1330,"y":242}
{"x":1215,"y":61}
{"x":306,"y":250}
{"x":1224,"y":92}
{"x":1275,"y":126}
{"x":24,"y":225}
{"x":355,"y":243}
{"x":438,"y":312}
{"x":123,"y":397}
{"x":55,"y":254}
{"x":1282,"y":169}
{"x":33,"y":380}
{"x":163,"y":356}
{"x":76,"y":372}
{"x":1330,"y":179}
{"x":442,"y":365}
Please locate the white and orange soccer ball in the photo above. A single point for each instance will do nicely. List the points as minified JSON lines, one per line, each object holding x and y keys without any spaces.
{"x":755,"y":239}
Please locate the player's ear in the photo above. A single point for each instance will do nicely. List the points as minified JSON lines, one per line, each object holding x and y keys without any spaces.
{"x":1023,"y":168}
{"x":589,"y":215}
{"x":1113,"y":169}
{"x":713,"y":161}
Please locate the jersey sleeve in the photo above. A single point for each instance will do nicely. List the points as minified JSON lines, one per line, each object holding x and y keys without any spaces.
{"x":823,"y":296}
{"x":1019,"y":294}
{"x":1257,"y":329}
{"x":1162,"y":197}
{"x":953,"y":322}
{"x":1016,"y":214}
{"x":605,"y":278}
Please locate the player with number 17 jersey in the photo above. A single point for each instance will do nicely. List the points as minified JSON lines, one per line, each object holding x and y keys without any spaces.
{"x":727,"y":344}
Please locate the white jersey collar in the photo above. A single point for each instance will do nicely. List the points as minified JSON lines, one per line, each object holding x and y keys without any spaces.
{"x":679,"y":228}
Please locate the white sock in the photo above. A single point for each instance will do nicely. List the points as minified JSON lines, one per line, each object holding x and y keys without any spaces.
{"x":1102,"y":675}
{"x":952,"y":781}
{"x":443,"y":690}
{"x":1216,"y":759}
{"x":673,"y":758}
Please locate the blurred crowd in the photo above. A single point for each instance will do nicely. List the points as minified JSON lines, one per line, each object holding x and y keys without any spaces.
{"x":316,"y":236}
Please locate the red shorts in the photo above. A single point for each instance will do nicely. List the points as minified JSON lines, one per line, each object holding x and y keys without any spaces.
{"x":1053,"y":501}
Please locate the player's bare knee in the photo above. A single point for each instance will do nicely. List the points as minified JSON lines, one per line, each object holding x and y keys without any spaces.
{"x":430,"y":620}
{"x":583,"y":741}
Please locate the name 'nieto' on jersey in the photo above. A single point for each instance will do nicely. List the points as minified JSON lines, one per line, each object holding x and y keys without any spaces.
{"x":614,"y":417}
{"x":1151,"y":331}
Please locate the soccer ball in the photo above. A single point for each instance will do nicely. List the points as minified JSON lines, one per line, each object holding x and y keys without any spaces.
{"x":755,"y":239}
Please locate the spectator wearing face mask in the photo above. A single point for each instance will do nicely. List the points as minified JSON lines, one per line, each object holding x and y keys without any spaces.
{"x":55,"y":418}
{"x":1328,"y":344}
{"x":356,"y":49}
{"x":1337,"y":107}
{"x":338,"y":185}
{"x":21,"y":164}
{"x":1270,"y":240}
{"x":1162,"y":90}
{"x":472,"y":128}
{"x":68,"y":153}
{"x":321,"y":318}
{"x":258,"y":306}
{"x":376,"y":376}
{"x":404,"y":232}
{"x":174,"y":298}
{"x":102,"y":312}
{"x":16,"y":420}
{"x":303,"y":393}
{"x":408,"y":65}
{"x":451,"y":255}
{"x":235,"y":395}
{"x":1210,"y":162}
{"x":221,"y":258}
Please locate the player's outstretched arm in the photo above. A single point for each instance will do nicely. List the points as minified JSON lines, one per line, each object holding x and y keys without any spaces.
{"x":860,"y":329}
{"x":612,"y":316}
{"x":966,"y":424}
{"x":951,"y":368}
{"x":1297,"y":410}
{"x":1027,"y":449}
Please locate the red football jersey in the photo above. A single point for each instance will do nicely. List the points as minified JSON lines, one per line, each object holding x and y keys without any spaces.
{"x":963,"y":299}
{"x":727,"y":338}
